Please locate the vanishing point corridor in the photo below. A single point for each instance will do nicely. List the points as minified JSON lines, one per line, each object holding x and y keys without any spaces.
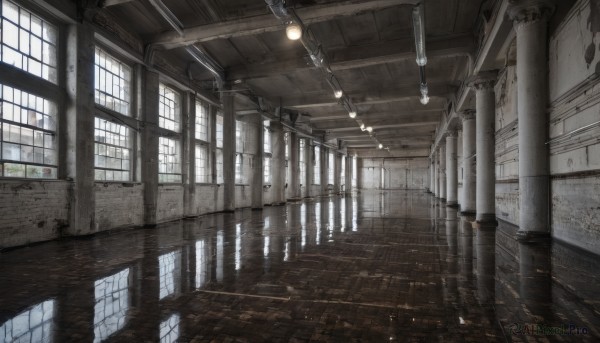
{"x":380,"y":266}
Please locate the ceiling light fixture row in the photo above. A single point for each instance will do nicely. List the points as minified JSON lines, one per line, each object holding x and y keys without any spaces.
{"x":296,"y":30}
{"x":418,"y":16}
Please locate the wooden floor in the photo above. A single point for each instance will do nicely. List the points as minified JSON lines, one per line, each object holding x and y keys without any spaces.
{"x":381,"y":266}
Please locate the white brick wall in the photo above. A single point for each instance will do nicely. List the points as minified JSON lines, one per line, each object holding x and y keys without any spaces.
{"x":170,"y":203}
{"x":32,"y":211}
{"x":119,"y":205}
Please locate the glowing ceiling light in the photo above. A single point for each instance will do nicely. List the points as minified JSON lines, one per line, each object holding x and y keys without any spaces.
{"x":338,"y":94}
{"x":352,"y":114}
{"x":362,"y":127}
{"x":370,"y":129}
{"x":293,"y":31}
{"x":380,"y":146}
{"x":424,"y":99}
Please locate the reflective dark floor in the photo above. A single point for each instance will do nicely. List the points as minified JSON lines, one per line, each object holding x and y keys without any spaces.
{"x":383,"y":266}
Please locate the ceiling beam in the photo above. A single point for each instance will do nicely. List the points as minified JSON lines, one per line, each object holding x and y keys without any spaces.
{"x":268,"y":23}
{"x":108,"y":3}
{"x":381,"y":127}
{"x":359,"y":56}
{"x":404,"y":93}
{"x":396,"y":115}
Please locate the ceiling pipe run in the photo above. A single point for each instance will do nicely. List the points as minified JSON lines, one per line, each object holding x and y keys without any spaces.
{"x":418,"y":16}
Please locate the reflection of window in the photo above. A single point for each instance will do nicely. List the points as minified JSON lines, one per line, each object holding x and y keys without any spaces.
{"x":220,"y":247}
{"x":169,"y":160}
{"x":318,"y":222}
{"x":303,"y":223}
{"x":112,"y":304}
{"x":169,"y":269}
{"x":28,"y":135}
{"x":112,"y":82}
{"x":219,"y":166}
{"x":201,"y":121}
{"x":32,"y":325}
{"x":201,"y":163}
{"x":238,"y":169}
{"x":267,"y":240}
{"x":267,"y":170}
{"x":111,"y":151}
{"x":169,"y":329}
{"x":202,"y":264}
{"x":219,"y":133}
{"x":239,"y":137}
{"x":169,"y":108}
{"x":238,"y":246}
{"x":266,"y":136}
{"x":317,"y":167}
{"x":28,"y":42}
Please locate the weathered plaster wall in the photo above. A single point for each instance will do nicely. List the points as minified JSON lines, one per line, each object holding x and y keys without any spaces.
{"x":398,"y":173}
{"x":119,"y":205}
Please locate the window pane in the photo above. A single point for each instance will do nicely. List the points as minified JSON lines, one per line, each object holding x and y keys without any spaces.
{"x":111,"y":151}
{"x":219,"y":132}
{"x":169,"y":160}
{"x":202,"y":165}
{"x":112,"y":82}
{"x":201,"y":121}
{"x":219,"y":166}
{"x":23,"y":42}
{"x":169,"y":108}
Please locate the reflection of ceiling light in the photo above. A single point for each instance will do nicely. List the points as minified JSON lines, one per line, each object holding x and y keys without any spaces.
{"x":424,"y":99}
{"x":362,"y":127}
{"x":352,"y":114}
{"x":338,"y":94}
{"x":238,"y":81}
{"x":380,"y":146}
{"x":293,"y":31}
{"x":369,"y":128}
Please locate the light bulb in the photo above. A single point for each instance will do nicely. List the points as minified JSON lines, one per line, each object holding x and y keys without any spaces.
{"x":352,"y":114}
{"x":370,"y":129}
{"x":338,"y":94}
{"x":380,"y":146}
{"x":424,"y":99}
{"x":293,"y":31}
{"x":362,"y":127}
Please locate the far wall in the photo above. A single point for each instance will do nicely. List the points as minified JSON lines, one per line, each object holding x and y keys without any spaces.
{"x":393,"y":173}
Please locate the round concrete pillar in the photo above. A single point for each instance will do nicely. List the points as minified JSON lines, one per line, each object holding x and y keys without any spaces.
{"x":443,"y":172}
{"x":451,"y":170}
{"x":467,"y":206}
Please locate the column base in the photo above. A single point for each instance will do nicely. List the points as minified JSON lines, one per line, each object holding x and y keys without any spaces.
{"x":442,"y":199}
{"x":467,"y":213}
{"x":487,"y":219}
{"x":533,"y":236}
{"x":452,"y":204}
{"x":489,"y":225}
{"x":257,"y":208}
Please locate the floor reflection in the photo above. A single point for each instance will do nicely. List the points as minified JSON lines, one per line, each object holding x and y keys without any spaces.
{"x":395,"y":265}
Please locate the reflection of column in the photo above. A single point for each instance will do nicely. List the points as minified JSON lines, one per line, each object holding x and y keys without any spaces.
{"x":485,"y":131}
{"x":451,"y":170}
{"x":485,"y":246}
{"x":466,"y":247}
{"x":468,"y":199}
{"x":531,"y":25}
{"x":452,"y":255}
{"x":294,"y":167}
{"x":535,"y":281}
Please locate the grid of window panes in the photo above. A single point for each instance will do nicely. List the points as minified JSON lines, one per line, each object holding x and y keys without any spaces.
{"x":28,"y":42}
{"x":201,"y":163}
{"x":267,"y":170}
{"x":219,"y":130}
{"x":239,"y":136}
{"x":169,"y":160}
{"x":169,"y":108}
{"x":169,"y":329}
{"x":112,"y":304}
{"x":267,"y":136}
{"x":238,"y":168}
{"x":302,"y":162}
{"x":317,"y":170}
{"x":112,"y":82}
{"x":330,"y":168}
{"x":219,"y":166}
{"x":28,"y":135}
{"x":32,"y":325}
{"x":112,"y":153}
{"x":201,"y":121}
{"x":169,"y":270}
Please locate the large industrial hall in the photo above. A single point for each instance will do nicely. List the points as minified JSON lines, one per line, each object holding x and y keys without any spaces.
{"x":299,"y":171}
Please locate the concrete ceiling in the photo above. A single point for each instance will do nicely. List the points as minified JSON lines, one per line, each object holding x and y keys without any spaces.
{"x":371,"y":54}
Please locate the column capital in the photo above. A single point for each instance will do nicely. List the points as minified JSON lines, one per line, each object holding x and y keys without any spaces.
{"x":467,"y":115}
{"x":451,"y":134}
{"x":526,"y":11}
{"x":483,"y":81}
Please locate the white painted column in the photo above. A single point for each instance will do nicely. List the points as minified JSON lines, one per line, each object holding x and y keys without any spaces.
{"x":468,"y":199}
{"x":432,"y":174}
{"x":228,"y":152}
{"x":437,"y":173}
{"x":442,"y":170}
{"x":294,"y":167}
{"x":485,"y":147}
{"x":451,"y":170}
{"x":531,"y":25}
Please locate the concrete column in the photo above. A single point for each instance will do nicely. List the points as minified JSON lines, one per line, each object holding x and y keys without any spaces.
{"x":258,"y":164}
{"x":451,"y":170}
{"x":324,"y":169}
{"x":442,"y":156}
{"x":188,"y":160}
{"x":432,"y":174}
{"x":468,"y":199}
{"x":228,"y":152}
{"x":436,"y":173}
{"x":337,"y":170}
{"x":531,"y":25}
{"x":150,"y":145}
{"x":80,"y":105}
{"x":485,"y":147}
{"x":348,"y":161}
{"x":278,"y":162}
{"x":309,"y":150}
{"x":294,"y":167}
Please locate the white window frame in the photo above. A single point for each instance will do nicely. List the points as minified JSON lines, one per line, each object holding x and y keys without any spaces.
{"x":171,"y":173}
{"x":169,"y":108}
